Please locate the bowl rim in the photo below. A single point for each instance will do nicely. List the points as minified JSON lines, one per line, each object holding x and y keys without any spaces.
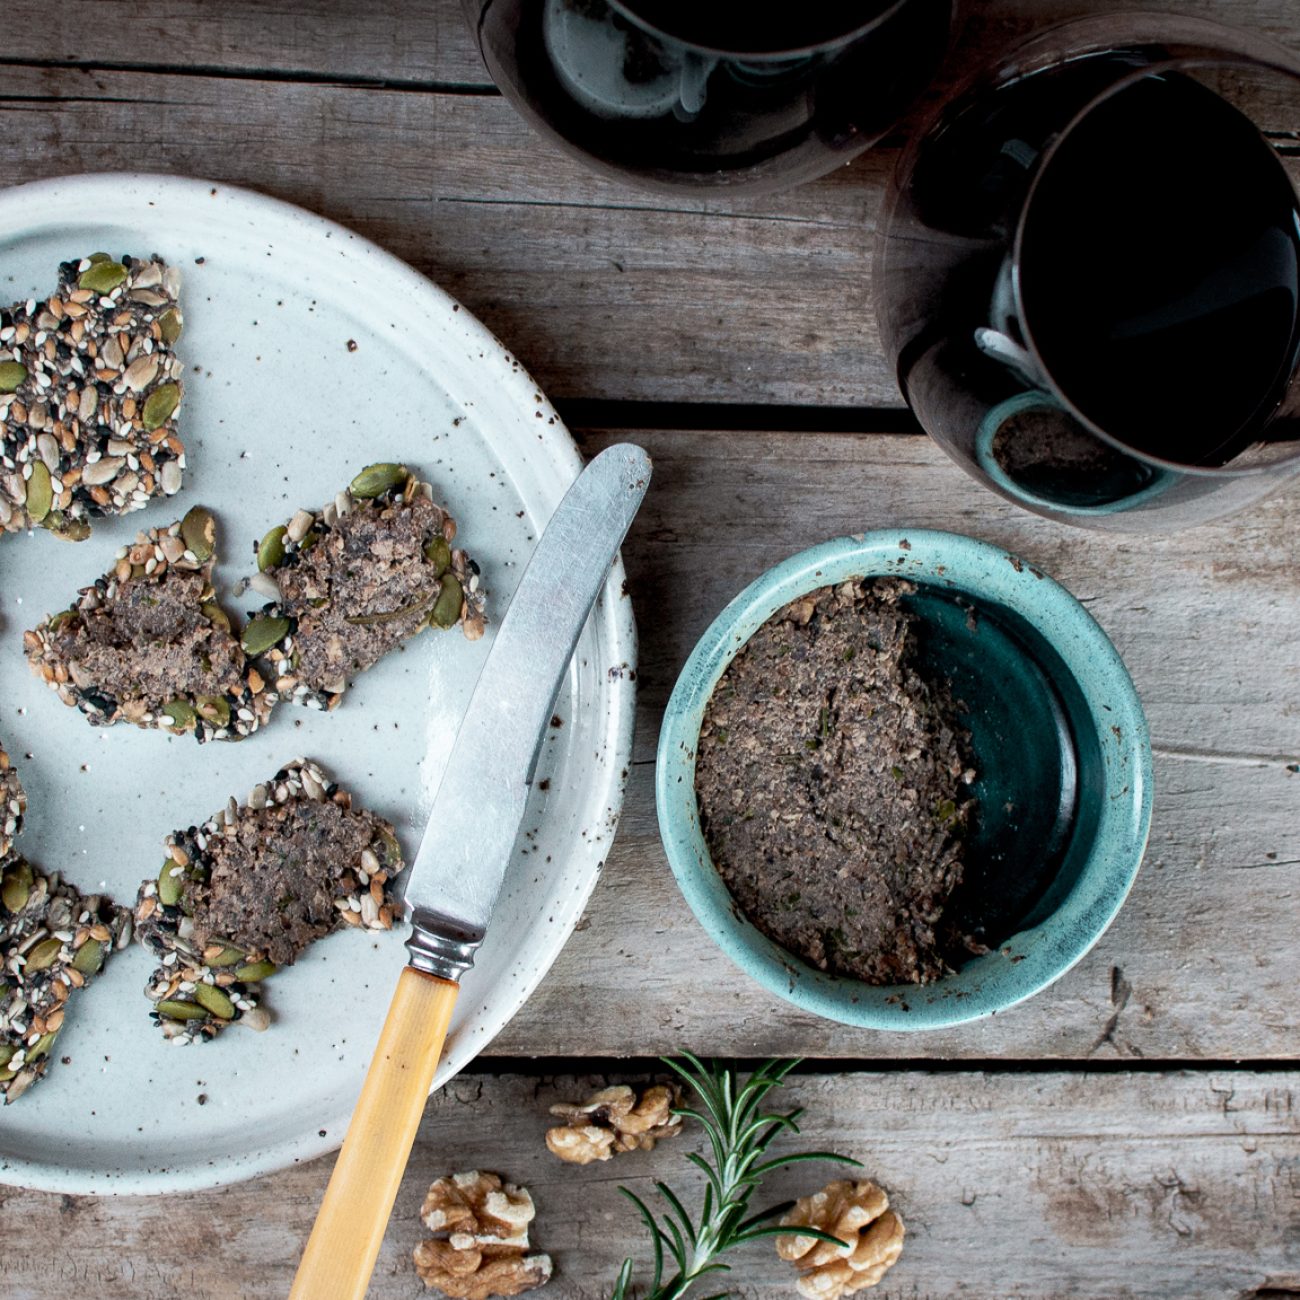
{"x":1023,"y":965}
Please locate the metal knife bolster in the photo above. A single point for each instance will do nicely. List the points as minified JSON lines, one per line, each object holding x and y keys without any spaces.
{"x":440,"y":945}
{"x":457,"y":874}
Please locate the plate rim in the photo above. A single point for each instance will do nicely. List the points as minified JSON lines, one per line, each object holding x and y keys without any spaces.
{"x":618,"y":695}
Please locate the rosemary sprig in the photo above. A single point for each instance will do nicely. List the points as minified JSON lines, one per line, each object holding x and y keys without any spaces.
{"x":739,"y":1134}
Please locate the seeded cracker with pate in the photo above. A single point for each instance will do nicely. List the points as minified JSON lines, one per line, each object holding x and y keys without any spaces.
{"x":148,"y":643}
{"x":832,"y":780}
{"x":90,"y":387}
{"x":53,"y":941}
{"x":353,"y":580}
{"x":251,"y":889}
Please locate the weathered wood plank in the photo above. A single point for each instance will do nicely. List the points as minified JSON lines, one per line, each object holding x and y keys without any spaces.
{"x":1205,"y":618}
{"x":603,"y":291}
{"x":416,"y":42}
{"x":1201,"y":962}
{"x":601,"y":295}
{"x":1032,"y":1187}
{"x":422,"y":41}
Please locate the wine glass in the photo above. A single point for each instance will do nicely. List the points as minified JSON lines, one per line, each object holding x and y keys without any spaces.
{"x":712,"y":94}
{"x":1088,"y":275}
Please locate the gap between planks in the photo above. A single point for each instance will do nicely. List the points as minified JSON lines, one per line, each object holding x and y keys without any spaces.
{"x":624,"y":1068}
{"x":288,"y":76}
{"x":589,"y":415}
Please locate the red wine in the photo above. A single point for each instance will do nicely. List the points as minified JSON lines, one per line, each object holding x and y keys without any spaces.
{"x":716,"y":93}
{"x":1099,"y":243}
{"x":742,"y":26}
{"x":1159,"y":271}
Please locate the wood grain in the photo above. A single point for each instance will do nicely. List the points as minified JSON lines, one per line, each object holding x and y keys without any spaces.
{"x":416,"y":42}
{"x":1205,"y":618}
{"x":601,"y":293}
{"x":360,"y":113}
{"x":421,"y":43}
{"x":1020,"y":1187}
{"x":1200,"y":963}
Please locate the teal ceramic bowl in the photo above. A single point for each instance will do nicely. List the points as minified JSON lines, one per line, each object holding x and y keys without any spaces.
{"x":1060,"y":747}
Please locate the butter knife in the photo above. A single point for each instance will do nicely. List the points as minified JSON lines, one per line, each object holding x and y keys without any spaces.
{"x":453,"y":885}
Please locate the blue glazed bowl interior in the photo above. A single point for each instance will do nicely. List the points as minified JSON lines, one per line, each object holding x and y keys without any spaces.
{"x":1061,"y":753}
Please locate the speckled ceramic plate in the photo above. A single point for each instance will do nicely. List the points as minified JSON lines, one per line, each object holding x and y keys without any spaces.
{"x":311,"y":353}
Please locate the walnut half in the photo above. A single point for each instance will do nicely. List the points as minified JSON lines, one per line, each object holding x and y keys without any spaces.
{"x":859,"y":1215}
{"x":480,"y":1246}
{"x":614,"y":1120}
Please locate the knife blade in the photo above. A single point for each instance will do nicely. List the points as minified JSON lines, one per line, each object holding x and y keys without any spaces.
{"x":456,"y":877}
{"x":454,"y":883}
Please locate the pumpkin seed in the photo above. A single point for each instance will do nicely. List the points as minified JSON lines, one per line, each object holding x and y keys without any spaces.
{"x":181,"y":715}
{"x":44,"y":955}
{"x":6,"y":1053}
{"x":95,"y":258}
{"x":61,"y":618}
{"x":262,"y":633}
{"x":199,"y":533}
{"x":446,"y":609}
{"x":175,"y":1009}
{"x":102,"y":276}
{"x":213,"y":709}
{"x":255,"y":971}
{"x":40,"y":495}
{"x":270,"y":554}
{"x":170,"y":325}
{"x":228,"y":956}
{"x":375,"y":480}
{"x":392,"y":851}
{"x":16,"y":888}
{"x":160,"y":405}
{"x":12,"y":373}
{"x":215,"y":614}
{"x":65,"y":529}
{"x":43,"y":1045}
{"x":89,"y":957}
{"x":438,"y":553}
{"x":171,"y":884}
{"x":208,"y":995}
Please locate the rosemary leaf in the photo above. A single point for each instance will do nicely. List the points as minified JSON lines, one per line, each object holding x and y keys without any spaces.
{"x":739,"y":1133}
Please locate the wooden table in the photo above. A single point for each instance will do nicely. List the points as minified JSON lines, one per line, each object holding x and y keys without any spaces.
{"x":1132,"y":1131}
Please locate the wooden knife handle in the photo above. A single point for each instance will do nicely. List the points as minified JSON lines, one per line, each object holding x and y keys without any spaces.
{"x":344,"y":1244}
